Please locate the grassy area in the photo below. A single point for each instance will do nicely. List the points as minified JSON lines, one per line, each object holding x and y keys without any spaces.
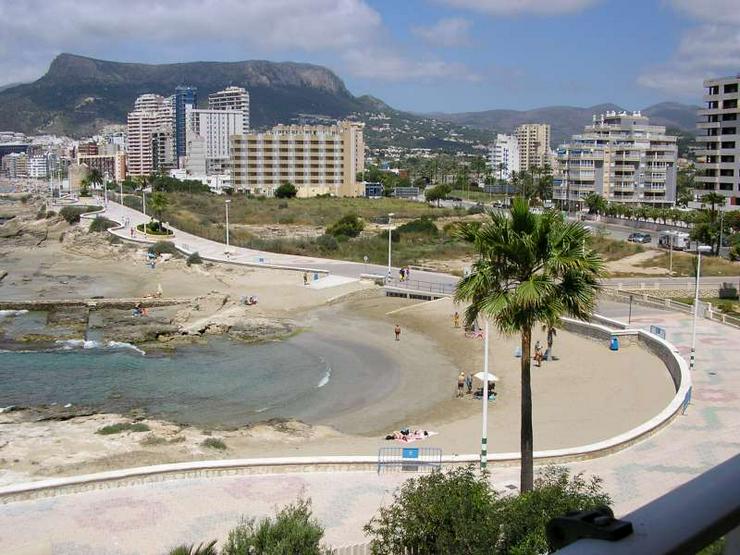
{"x":123,"y":427}
{"x":209,"y":209}
{"x":611,"y":249}
{"x":730,"y":307}
{"x":214,"y":443}
{"x":684,"y":265}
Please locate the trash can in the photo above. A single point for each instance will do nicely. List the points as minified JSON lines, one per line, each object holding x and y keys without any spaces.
{"x":614,"y":343}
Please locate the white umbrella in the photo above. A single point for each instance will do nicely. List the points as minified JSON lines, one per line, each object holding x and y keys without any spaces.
{"x":483,"y":375}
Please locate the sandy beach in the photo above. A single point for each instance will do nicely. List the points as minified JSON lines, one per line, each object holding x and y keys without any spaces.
{"x":377,"y":384}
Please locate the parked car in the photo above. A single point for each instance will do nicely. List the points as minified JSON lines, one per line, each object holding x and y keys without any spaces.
{"x":640,"y":237}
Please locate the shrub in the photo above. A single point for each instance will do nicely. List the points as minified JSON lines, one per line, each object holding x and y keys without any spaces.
{"x":735,"y":253}
{"x":395,"y":235}
{"x":194,"y":259}
{"x":164,"y":247}
{"x":293,"y":530}
{"x":101,"y":224}
{"x":349,"y":225}
{"x":50,"y":214}
{"x":72,"y":213}
{"x":123,"y":427}
{"x":114,"y":239}
{"x":327,"y":242}
{"x":214,"y":443}
{"x":282,"y":205}
{"x":41,"y":214}
{"x":202,"y":549}
{"x":286,"y":190}
{"x":423,"y":225}
{"x":476,"y":209}
{"x":459,"y":512}
{"x":154,"y":227}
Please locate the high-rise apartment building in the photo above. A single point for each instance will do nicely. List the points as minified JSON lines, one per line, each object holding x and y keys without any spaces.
{"x":231,"y":98}
{"x":620,"y":157}
{"x":15,"y":165}
{"x":504,"y":156}
{"x":317,"y":159}
{"x":152,"y":117}
{"x":719,"y":157}
{"x":38,"y":167}
{"x":215,"y":127}
{"x":185,"y":97}
{"x":534,"y":145}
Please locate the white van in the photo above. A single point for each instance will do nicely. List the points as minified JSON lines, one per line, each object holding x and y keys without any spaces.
{"x":678,"y":240}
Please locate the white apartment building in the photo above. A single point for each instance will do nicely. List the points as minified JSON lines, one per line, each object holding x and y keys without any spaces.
{"x":504,"y":156}
{"x":15,"y":165}
{"x":38,"y":167}
{"x":152,"y":115}
{"x":317,"y":159}
{"x":534,"y":145}
{"x":620,"y":157}
{"x":719,"y":158}
{"x":215,"y":127}
{"x":231,"y":98}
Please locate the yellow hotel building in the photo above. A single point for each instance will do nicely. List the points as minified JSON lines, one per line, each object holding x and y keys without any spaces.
{"x":317,"y":159}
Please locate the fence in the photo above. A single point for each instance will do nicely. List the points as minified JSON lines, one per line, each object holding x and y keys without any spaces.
{"x":409,"y":459}
{"x":425,"y":286}
{"x":706,"y":310}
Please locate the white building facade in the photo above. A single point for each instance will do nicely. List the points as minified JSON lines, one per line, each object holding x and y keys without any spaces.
{"x":504,"y":156}
{"x":231,"y":98}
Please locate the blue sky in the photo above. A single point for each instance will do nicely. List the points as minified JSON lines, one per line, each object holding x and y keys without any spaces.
{"x":421,"y":55}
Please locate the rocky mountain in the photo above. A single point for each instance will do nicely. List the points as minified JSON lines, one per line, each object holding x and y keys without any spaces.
{"x":568,"y":120}
{"x":78,"y":95}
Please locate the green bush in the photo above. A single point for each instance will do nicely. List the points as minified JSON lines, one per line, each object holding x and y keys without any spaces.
{"x":101,"y":224}
{"x":123,"y":427}
{"x":164,"y":247}
{"x":395,"y":235}
{"x":214,"y":443}
{"x":72,"y":213}
{"x":194,"y":259}
{"x":154,"y":227}
{"x":50,"y":214}
{"x":286,"y":190}
{"x":327,"y":242}
{"x":735,"y":253}
{"x":476,"y":209}
{"x":459,"y":512}
{"x":423,"y":225}
{"x":293,"y":530}
{"x":202,"y":549}
{"x":350,"y":225}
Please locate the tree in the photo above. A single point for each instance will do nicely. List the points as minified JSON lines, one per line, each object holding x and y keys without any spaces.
{"x":95,"y":177}
{"x":542,"y":182}
{"x":530,"y":268}
{"x":286,"y":190}
{"x":85,"y":187}
{"x":685,"y":185}
{"x":158,"y":203}
{"x":713,"y":200}
{"x":596,"y":203}
{"x":348,"y":226}
{"x":438,"y":193}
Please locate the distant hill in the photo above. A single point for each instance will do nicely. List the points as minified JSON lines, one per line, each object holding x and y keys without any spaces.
{"x":78,"y":95}
{"x":568,"y":120}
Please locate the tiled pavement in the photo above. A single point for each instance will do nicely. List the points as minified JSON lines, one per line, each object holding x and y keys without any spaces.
{"x":149,"y":518}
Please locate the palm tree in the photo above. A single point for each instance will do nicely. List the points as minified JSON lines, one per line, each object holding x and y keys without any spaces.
{"x":158,"y":201}
{"x":95,"y":177}
{"x":596,"y":203}
{"x":531,"y":268}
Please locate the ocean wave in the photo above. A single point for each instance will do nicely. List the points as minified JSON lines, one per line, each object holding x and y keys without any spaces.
{"x":325,"y":378}
{"x":70,"y":344}
{"x":4,"y":313}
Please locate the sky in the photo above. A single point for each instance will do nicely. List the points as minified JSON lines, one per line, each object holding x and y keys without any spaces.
{"x":417,"y":55}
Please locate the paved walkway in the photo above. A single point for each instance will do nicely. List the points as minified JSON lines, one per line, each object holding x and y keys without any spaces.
{"x":151,"y":517}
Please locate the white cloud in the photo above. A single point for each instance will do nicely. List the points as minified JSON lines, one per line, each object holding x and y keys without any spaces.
{"x":384,"y":64}
{"x":710,"y":11}
{"x":517,"y":7}
{"x":453,"y":31}
{"x":34,"y":31}
{"x":709,"y":50}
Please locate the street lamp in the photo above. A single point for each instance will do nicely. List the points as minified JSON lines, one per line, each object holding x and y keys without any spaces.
{"x":484,"y":432}
{"x":390,"y":232}
{"x":121,"y":201}
{"x":699,"y":249}
{"x":228,"y":201}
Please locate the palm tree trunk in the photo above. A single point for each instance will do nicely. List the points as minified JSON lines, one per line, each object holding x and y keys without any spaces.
{"x":527,"y":439}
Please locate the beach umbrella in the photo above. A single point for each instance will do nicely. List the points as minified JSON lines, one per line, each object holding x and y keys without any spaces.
{"x":483,"y":375}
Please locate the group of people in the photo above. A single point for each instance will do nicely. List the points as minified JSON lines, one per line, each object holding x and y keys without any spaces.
{"x":404,"y":273}
{"x":139,"y":310}
{"x":249,"y":300}
{"x":465,"y":384}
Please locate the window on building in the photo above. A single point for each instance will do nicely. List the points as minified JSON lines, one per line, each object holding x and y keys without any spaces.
{"x":730,"y":88}
{"x":729,"y":130}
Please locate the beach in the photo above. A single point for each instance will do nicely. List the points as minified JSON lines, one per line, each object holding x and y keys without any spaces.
{"x":376,"y":385}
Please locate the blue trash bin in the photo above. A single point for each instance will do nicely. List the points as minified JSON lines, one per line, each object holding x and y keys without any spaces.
{"x":614,"y":343}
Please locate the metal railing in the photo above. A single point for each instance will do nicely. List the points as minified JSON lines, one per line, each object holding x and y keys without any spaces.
{"x":420,"y":285}
{"x":684,"y":520}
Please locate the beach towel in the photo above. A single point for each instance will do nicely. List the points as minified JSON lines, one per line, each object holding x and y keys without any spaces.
{"x":417,"y":435}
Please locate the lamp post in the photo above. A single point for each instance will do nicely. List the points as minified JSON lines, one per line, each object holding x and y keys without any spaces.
{"x":227,"y":202}
{"x":143,"y":209}
{"x":390,"y":232}
{"x":699,"y":249}
{"x":105,"y":190}
{"x":121,"y":200}
{"x":484,"y":431}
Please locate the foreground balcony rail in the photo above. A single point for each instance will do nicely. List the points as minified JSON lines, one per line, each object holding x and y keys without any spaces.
{"x":684,"y":520}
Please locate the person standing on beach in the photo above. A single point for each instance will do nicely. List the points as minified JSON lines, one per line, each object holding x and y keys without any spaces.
{"x":305,"y":278}
{"x":469,"y":383}
{"x":397,"y":331}
{"x":456,"y":319}
{"x":402,"y":273}
{"x":408,"y":273}
{"x":460,"y":383}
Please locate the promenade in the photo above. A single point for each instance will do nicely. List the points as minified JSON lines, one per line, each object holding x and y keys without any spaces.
{"x":151,"y":517}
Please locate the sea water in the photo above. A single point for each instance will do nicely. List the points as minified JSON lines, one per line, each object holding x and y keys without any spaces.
{"x":221,"y":383}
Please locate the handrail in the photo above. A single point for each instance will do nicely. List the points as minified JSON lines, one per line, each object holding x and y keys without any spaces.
{"x":684,"y":520}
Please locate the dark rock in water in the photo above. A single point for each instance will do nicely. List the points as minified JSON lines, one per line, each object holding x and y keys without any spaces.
{"x":44,"y":413}
{"x":257,"y":329}
{"x":68,"y":316}
{"x":120,"y":325}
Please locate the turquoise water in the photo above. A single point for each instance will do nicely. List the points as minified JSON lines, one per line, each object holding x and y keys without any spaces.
{"x":223,"y":383}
